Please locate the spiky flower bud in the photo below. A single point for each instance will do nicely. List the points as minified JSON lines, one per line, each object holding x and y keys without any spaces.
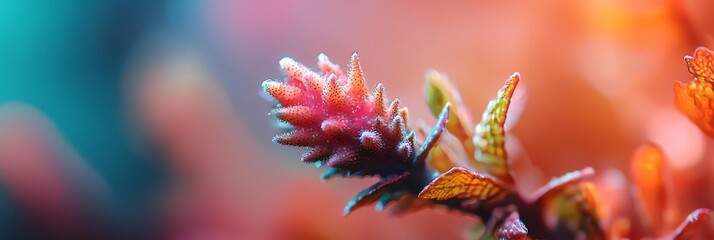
{"x":343,"y":125}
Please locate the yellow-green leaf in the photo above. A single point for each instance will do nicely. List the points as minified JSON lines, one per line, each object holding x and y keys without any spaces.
{"x":490,"y":135}
{"x":439,"y":91}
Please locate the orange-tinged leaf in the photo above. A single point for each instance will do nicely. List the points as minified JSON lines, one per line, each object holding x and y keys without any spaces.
{"x":619,"y":228}
{"x":556,"y":185}
{"x":696,"y":98}
{"x":701,"y":65}
{"x":590,"y":200}
{"x":648,"y":175}
{"x":590,"y":211}
{"x":490,"y":135}
{"x":464,"y":184}
{"x":576,"y":209}
{"x":647,"y":167}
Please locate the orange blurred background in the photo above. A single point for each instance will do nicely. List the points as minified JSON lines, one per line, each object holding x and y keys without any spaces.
{"x":135,"y":120}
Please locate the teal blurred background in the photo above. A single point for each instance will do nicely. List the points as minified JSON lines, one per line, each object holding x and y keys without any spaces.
{"x":67,"y":59}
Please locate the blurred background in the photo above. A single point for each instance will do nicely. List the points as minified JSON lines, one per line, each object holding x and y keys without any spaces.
{"x":145,"y":119}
